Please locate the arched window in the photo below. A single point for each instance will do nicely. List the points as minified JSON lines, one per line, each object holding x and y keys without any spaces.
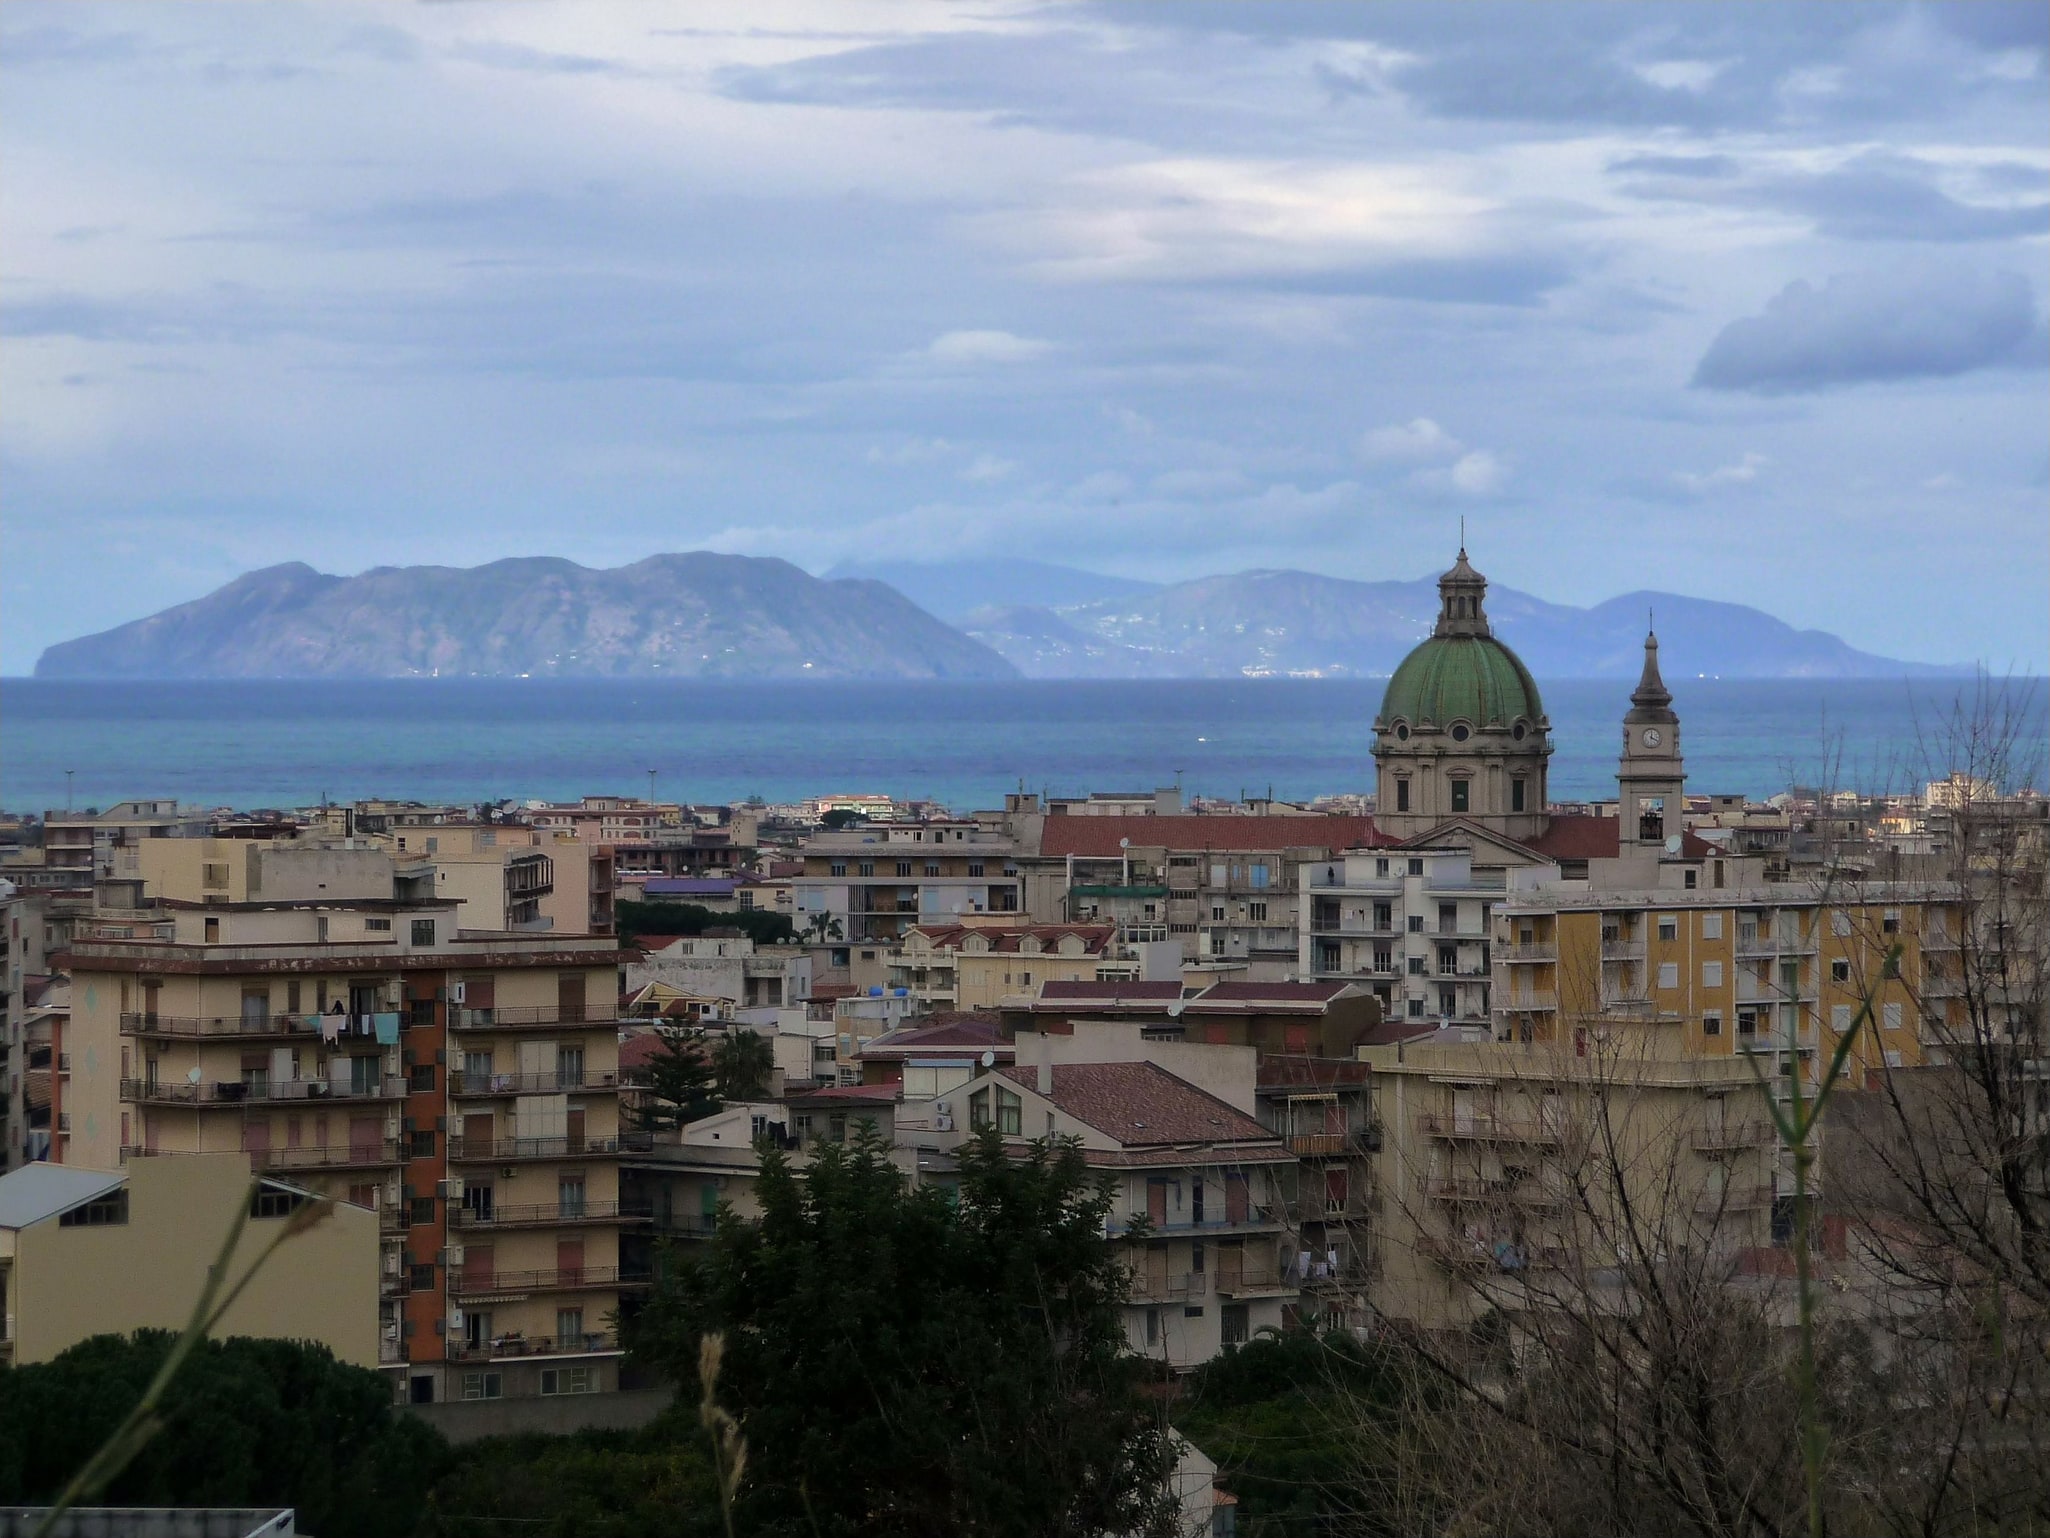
{"x":1461,"y":794}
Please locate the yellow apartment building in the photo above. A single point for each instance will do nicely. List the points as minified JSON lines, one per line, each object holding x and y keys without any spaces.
{"x":1718,"y":973}
{"x":88,"y":1252}
{"x":462,"y":1086}
{"x":1514,"y":1176}
{"x":952,"y":966}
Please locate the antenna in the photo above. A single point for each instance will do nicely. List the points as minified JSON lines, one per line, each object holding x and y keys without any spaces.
{"x":1462,"y":534}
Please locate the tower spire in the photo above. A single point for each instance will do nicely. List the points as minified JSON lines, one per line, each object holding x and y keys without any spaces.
{"x":1460,"y":594}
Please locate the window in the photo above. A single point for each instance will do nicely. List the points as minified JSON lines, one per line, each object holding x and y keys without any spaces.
{"x":568,"y":1380}
{"x":569,"y":1326}
{"x":1448,"y":1001}
{"x":975,"y":867}
{"x":903,"y":867}
{"x":1711,"y":1025}
{"x":1009,"y":1110}
{"x":269,"y":1201}
{"x":1517,"y":795}
{"x":1461,"y":794}
{"x":1690,"y":879}
{"x":422,"y":1145}
{"x":1711,"y":926}
{"x":483,"y":1385}
{"x":1890,"y":924}
{"x":213,"y":930}
{"x":1257,"y":874}
{"x":1384,"y":913}
{"x":1840,"y":1018}
{"x":1152,"y":1326}
{"x":1669,"y":927}
{"x":1417,"y":967}
{"x":1235,"y":1324}
{"x":420,"y":1278}
{"x":1196,"y":1255}
{"x":1669,"y":974}
{"x":1416,"y":923}
{"x":1416,"y":1009}
{"x":1839,"y":971}
{"x":932,"y":867}
{"x":1402,"y":795}
{"x":1448,"y":960}
{"x":1747,"y":1022}
{"x":422,"y":1079}
{"x":1257,"y":912}
{"x":1711,"y":974}
{"x":423,"y":931}
{"x":421,"y":1211}
{"x":100,"y":1212}
{"x":1381,"y":868}
{"x":1193,"y":1311}
{"x":838,"y":868}
{"x":1384,"y":959}
{"x":1217,"y":913}
{"x":868,"y":867}
{"x":978,"y":1110}
{"x":1890,"y":1016}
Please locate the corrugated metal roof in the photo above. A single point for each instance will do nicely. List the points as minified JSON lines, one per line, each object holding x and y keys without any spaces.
{"x":37,"y":1192}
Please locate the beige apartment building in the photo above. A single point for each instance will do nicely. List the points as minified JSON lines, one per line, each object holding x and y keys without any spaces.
{"x":463,"y":1086}
{"x":953,"y":966}
{"x":88,"y":1252}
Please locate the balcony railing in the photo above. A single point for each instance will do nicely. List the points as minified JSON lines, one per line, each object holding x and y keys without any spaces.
{"x":1535,"y":952}
{"x":478,"y":1084}
{"x":522,"y":1017}
{"x":470,"y":1284}
{"x":507,"y":1346}
{"x":1244,"y":1282}
{"x":1736,"y":1134}
{"x":318,"y":1156}
{"x":237,"y":1092}
{"x":345,"y":1029}
{"x":1745,"y":1198}
{"x":1533,"y":1000}
{"x":1466,"y":1189}
{"x":506,"y":1150}
{"x":1622,"y":950}
{"x":549,"y":1214}
{"x":1255,"y":1216}
{"x":1458,"y":1253}
{"x":1486,"y":1126}
{"x":1313,"y":1144}
{"x":1178,"y":1284}
{"x":699,"y":1225}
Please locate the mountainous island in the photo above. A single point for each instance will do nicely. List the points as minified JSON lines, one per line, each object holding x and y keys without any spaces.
{"x":698,"y":615}
{"x":702,"y":615}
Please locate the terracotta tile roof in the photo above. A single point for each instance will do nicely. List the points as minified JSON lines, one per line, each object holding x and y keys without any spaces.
{"x":639,"y":1050}
{"x":648,"y":944}
{"x":1600,"y":838}
{"x":1008,"y":938}
{"x":1097,"y":837}
{"x":1142,"y":1105}
{"x":1282,"y":1071}
{"x":1391,"y":1032}
{"x":824,"y":991}
{"x":1281,"y":993}
{"x":849,"y":1094}
{"x":957,"y":1033}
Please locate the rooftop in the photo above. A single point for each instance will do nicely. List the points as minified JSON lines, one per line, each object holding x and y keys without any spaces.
{"x":1141,"y":1105}
{"x":1099,"y":837}
{"x":39,"y":1191}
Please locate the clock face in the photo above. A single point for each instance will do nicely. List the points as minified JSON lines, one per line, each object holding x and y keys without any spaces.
{"x":1651,"y":737}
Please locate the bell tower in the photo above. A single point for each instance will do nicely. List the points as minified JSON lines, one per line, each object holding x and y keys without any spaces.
{"x":1651,"y":781}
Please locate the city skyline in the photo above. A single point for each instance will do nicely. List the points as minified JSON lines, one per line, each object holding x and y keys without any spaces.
{"x":1654,"y":299}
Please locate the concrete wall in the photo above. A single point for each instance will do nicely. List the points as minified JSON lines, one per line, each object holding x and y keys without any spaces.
{"x":71,"y":1283}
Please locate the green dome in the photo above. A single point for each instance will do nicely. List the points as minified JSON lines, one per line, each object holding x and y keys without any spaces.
{"x":1462,"y":678}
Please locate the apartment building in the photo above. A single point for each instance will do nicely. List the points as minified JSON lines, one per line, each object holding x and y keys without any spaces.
{"x":516,"y":879}
{"x":608,"y":820}
{"x":1323,"y":1111}
{"x":727,"y":966}
{"x":88,"y":1252}
{"x":1512,"y":1177}
{"x":1226,"y":888}
{"x":88,"y":841}
{"x":1197,"y":1212}
{"x":1770,"y":969}
{"x":463,"y":1086}
{"x":869,"y":886}
{"x":954,"y":966}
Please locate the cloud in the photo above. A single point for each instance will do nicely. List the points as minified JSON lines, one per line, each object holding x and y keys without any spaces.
{"x":1741,"y":472}
{"x":968,"y":348}
{"x":1474,"y":474}
{"x":987,"y":467}
{"x":912,"y":451}
{"x":1421,"y":439}
{"x":1862,"y":327}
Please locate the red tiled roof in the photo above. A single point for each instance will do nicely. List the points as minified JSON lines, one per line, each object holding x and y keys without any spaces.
{"x":1280,"y":1071}
{"x":1582,"y":837}
{"x":658,"y":942}
{"x":639,"y":1049}
{"x":1142,"y":1104}
{"x":822,"y":991}
{"x":1391,"y":1032}
{"x":851,"y":1094}
{"x":1287,"y":993}
{"x":967,"y":1033}
{"x":1097,"y":837}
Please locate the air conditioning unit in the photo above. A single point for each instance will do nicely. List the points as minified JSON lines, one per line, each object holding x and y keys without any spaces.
{"x":507,"y":1172}
{"x":941,"y":1107}
{"x":945,"y":1122}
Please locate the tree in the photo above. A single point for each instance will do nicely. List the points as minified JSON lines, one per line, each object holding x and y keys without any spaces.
{"x":631,"y":920}
{"x":677,"y":1085}
{"x":743,"y":1063}
{"x":841,"y":817}
{"x":923,"y":1360}
{"x":823,"y":927}
{"x":247,"y":1423}
{"x":593,"y":1484}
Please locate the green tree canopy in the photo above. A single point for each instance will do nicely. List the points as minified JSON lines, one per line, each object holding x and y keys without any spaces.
{"x":677,"y":1082}
{"x":632,"y":919}
{"x":247,"y":1423}
{"x":742,"y":1065}
{"x":592,"y":1484}
{"x":923,"y":1361}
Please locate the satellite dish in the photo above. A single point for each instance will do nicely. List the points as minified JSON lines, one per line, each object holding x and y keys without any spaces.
{"x":989,"y":1059}
{"x":1124,"y":843}
{"x":192,"y":1076}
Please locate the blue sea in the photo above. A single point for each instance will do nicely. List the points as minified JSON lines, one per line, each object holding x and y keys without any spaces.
{"x":277,"y":744}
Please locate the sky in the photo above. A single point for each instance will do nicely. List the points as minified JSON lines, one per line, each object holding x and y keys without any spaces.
{"x":1745,"y":302}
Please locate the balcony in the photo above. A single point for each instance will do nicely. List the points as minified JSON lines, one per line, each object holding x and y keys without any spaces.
{"x":327,"y":1156}
{"x":1486,"y":1127}
{"x":1158,"y":1289}
{"x":1531,"y":1001}
{"x":484,"y":1085}
{"x":1734,"y":1135}
{"x":1255,"y":1217}
{"x":1744,"y":1198}
{"x":1527,"y":954}
{"x":1457,"y":1253}
{"x":263,"y":1092}
{"x":509,"y":1347}
{"x":693,"y":1225}
{"x":1622,"y":950}
{"x":471,"y":1284}
{"x":1465,"y":1190}
{"x":511,"y":1150}
{"x":523,"y":1018}
{"x":549,"y":1214}
{"x":1244,"y":1282}
{"x":264,"y":1027}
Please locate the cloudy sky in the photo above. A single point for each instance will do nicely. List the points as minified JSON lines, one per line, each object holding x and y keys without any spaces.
{"x":1745,"y":302}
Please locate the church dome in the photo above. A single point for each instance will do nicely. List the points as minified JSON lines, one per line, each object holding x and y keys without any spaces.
{"x":1462,"y":678}
{"x":1461,"y":673}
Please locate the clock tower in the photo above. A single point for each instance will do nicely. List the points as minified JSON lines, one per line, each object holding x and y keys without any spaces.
{"x":1650,"y":780}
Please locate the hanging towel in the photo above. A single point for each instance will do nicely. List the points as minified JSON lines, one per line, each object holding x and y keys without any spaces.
{"x":387,"y":1029}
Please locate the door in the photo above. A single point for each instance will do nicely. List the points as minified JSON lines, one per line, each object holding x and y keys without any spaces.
{"x":477,"y":1134}
{"x":1462,"y":1111}
{"x":1156,"y":1202}
{"x":569,"y":1261}
{"x":575,"y":1124}
{"x":480,"y":1265}
{"x":1156,"y":1271}
{"x":1335,"y":1188}
{"x":256,"y":1142}
{"x":1334,"y":1119}
{"x":569,"y":997}
{"x":366,"y":1139}
{"x":1238,"y":1204}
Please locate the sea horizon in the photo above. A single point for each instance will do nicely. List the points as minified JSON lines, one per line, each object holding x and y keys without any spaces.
{"x":281,"y":743}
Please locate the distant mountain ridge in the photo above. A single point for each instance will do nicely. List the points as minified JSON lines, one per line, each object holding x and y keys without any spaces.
{"x":1268,"y":623}
{"x":703,"y":615}
{"x":697,"y":615}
